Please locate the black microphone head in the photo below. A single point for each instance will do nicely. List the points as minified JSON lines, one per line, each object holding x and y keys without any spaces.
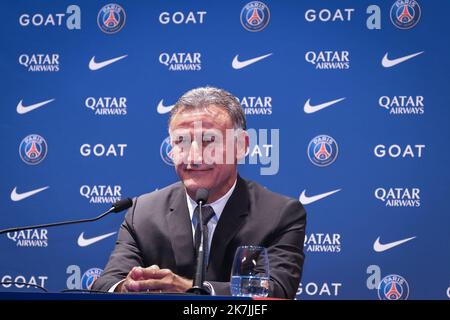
{"x":122,"y":205}
{"x":201,"y":195}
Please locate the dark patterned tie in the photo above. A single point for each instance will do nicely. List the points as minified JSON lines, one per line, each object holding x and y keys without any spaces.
{"x":207,"y":213}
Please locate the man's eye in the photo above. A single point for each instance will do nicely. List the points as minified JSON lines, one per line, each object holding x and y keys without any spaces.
{"x":209,"y":139}
{"x":178,"y":139}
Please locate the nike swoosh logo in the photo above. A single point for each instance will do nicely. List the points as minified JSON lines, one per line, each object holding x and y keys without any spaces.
{"x":308,"y":108}
{"x":387,"y":63}
{"x":20,"y":196}
{"x":98,"y":65}
{"x":307,"y":200}
{"x":242,"y":64}
{"x":82,"y":242}
{"x":378,"y":247}
{"x":21,"y":109}
{"x":162,"y":109}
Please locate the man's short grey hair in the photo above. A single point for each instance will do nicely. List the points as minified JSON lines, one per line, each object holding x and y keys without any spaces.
{"x":201,"y":98}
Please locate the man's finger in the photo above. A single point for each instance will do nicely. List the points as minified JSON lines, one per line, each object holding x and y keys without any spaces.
{"x":136,"y":273}
{"x":132,"y":285}
{"x":154,"y":285}
{"x":153,"y":273}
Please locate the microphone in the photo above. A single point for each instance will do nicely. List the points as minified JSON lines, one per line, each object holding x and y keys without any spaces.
{"x":116,"y":207}
{"x":121,"y":205}
{"x":201,"y":197}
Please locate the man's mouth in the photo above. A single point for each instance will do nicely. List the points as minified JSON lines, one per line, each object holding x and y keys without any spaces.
{"x":196,"y":168}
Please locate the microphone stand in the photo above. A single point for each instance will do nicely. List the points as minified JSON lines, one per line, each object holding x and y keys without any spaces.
{"x":116,"y":207}
{"x":198,"y":287}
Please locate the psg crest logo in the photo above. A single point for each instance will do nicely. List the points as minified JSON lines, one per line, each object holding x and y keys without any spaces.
{"x":166,"y":151}
{"x":89,"y":277}
{"x":33,"y":149}
{"x":111,"y":18}
{"x":393,"y":287}
{"x":322,"y":150}
{"x":405,"y":14}
{"x":255,"y":16}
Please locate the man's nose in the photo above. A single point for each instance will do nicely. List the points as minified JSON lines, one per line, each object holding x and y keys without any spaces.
{"x":195,"y":154}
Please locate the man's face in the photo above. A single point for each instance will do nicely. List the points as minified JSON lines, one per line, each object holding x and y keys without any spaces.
{"x":204,"y":150}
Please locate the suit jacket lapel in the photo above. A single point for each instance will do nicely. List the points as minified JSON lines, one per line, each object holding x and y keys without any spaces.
{"x":180,"y":233}
{"x":229,"y":224}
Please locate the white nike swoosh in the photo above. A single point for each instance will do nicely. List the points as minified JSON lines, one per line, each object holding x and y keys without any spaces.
{"x":387,"y":63}
{"x":242,"y":64}
{"x":98,"y":65}
{"x":21,"y":109}
{"x":82,"y":242}
{"x":307,"y":200}
{"x":378,"y":247}
{"x":162,"y":109}
{"x":308,"y":108}
{"x":20,"y":196}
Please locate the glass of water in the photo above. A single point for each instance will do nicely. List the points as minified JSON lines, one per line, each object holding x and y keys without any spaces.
{"x":250,"y":272}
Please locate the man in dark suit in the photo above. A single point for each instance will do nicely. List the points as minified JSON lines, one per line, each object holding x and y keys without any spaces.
{"x":155,"y":247}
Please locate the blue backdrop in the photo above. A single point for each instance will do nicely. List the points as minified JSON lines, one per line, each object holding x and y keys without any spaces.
{"x":86,"y":86}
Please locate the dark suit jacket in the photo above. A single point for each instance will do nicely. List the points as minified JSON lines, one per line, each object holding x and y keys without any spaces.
{"x":157,"y":230}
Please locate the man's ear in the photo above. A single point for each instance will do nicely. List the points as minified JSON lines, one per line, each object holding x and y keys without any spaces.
{"x":242,"y":143}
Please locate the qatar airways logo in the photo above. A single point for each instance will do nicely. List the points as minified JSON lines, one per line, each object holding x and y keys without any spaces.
{"x":399,"y":197}
{"x":101,"y":193}
{"x":328,"y":60}
{"x":323,"y":242}
{"x":403,"y":105}
{"x":256,"y":105}
{"x":181,"y":61}
{"x":71,"y":19}
{"x":30,"y":238}
{"x":40,"y":62}
{"x":107,"y":106}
